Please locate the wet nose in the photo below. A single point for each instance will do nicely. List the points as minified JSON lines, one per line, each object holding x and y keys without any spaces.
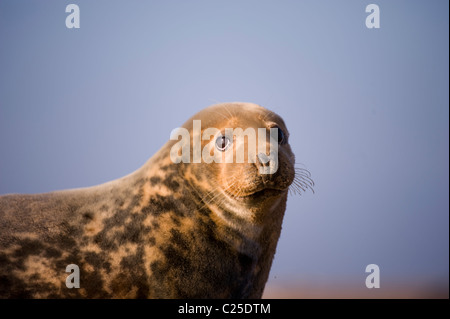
{"x":268,"y":164}
{"x":264,"y":159}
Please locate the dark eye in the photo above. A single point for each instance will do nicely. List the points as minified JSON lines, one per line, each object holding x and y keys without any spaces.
{"x":222,"y":143}
{"x":281,"y":136}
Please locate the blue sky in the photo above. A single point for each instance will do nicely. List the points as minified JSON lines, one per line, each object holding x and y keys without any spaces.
{"x":367,"y":111}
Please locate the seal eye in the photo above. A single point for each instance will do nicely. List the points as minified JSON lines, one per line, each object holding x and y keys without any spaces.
{"x":281,"y":136}
{"x":222,"y":143}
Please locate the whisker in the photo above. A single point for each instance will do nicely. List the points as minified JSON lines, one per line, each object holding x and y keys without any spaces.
{"x":223,"y":115}
{"x":302,"y":181}
{"x":228,"y":110}
{"x":215,"y":101}
{"x":212,"y":195}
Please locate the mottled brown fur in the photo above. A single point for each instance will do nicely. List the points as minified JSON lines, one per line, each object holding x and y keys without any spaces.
{"x":159,"y":232}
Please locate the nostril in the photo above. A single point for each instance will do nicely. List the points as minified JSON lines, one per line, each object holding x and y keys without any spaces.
{"x":268,"y":163}
{"x":263,"y":158}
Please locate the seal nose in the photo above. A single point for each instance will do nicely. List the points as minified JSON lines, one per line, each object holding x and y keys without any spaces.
{"x":264,"y":159}
{"x":267,"y":165}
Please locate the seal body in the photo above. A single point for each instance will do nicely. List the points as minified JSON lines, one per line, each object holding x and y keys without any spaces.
{"x":168,"y":230}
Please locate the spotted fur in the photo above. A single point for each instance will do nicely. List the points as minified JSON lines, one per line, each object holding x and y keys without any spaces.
{"x":152,"y":234}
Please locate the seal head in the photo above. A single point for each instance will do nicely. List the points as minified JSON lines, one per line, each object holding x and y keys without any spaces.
{"x":239,"y":187}
{"x":244,"y":206}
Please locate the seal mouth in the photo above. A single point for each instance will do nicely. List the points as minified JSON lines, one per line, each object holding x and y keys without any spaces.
{"x":260,"y":194}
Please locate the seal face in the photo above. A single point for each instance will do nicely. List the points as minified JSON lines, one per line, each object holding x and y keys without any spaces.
{"x":168,"y":230}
